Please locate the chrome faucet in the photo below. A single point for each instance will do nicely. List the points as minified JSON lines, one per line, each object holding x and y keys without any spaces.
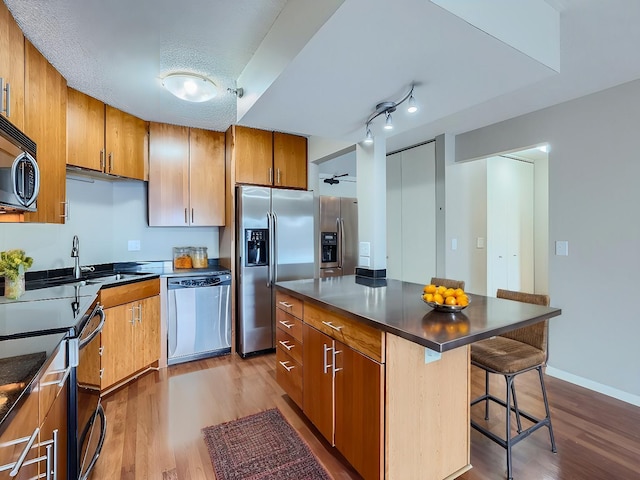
{"x":75,"y":253}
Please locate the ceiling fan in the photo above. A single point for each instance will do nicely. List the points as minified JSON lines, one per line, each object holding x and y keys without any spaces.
{"x":333,"y":180}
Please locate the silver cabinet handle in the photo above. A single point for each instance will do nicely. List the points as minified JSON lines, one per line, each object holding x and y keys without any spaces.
{"x":278,"y":176}
{"x":101,"y":372}
{"x":270,"y":175}
{"x":2,"y":95}
{"x":65,"y":209}
{"x":325,"y":364}
{"x":110,"y":161}
{"x":331,"y":325}
{"x":6,"y":106}
{"x":288,"y":325}
{"x":285,"y":344}
{"x":133,"y":316}
{"x":335,"y":352}
{"x":25,"y":451}
{"x":60,"y":382}
{"x":100,"y":350}
{"x":186,"y":217}
{"x":284,"y":364}
{"x":7,"y":109}
{"x":103,"y":165}
{"x":286,"y":305}
{"x":192,"y":215}
{"x":140,"y":313}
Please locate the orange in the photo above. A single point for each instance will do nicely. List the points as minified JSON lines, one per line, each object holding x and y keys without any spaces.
{"x":449,"y":292}
{"x":458,"y":291}
{"x":438,"y":298}
{"x":429,"y":289}
{"x":441,"y":289}
{"x":428,"y":297}
{"x":463,"y":300}
{"x":450,"y":300}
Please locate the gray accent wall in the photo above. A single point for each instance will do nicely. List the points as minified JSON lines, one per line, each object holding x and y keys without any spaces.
{"x":594,"y":196}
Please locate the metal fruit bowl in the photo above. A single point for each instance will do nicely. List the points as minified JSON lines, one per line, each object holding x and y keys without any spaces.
{"x":445,"y":308}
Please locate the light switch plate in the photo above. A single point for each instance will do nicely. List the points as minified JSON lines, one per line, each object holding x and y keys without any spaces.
{"x":562,"y":248}
{"x":480,"y":242}
{"x":365,"y":249}
{"x":454,"y":244}
{"x":364,"y":261}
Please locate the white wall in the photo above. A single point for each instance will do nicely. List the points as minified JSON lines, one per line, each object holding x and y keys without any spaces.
{"x":104,"y":215}
{"x":594,"y":166}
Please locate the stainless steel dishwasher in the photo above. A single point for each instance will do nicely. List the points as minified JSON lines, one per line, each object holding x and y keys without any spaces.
{"x":199,"y":317}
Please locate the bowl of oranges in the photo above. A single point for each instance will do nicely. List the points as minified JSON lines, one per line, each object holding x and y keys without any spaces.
{"x":445,"y":299}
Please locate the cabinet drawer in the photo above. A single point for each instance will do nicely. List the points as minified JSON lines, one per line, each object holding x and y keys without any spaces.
{"x":54,"y":374}
{"x":289,"y":324}
{"x":363,"y":338}
{"x":13,"y":439}
{"x":289,"y":375}
{"x":110,"y":297}
{"x":289,"y":304}
{"x":289,"y":344}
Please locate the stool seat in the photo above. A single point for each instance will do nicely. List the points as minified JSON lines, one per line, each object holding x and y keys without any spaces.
{"x":504,"y":355}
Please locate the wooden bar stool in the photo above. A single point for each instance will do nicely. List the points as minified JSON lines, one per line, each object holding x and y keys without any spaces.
{"x":447,"y":282}
{"x":511,"y":354}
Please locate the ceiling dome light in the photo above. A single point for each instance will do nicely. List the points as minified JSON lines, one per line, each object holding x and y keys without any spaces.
{"x":412,"y":108}
{"x":190,"y":87}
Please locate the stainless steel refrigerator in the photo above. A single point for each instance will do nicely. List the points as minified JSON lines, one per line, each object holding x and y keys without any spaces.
{"x":274,"y":242}
{"x":338,"y":242}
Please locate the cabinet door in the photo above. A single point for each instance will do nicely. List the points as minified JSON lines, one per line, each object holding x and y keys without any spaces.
{"x":206,"y":177}
{"x":317,"y":389}
{"x":359,"y":391}
{"x":253,"y":153}
{"x":117,"y":344}
{"x":56,"y":419}
{"x":124,"y":141}
{"x":85,"y":131}
{"x":147,"y":332}
{"x":289,"y":161}
{"x":168,"y":194}
{"x":46,"y":124}
{"x":12,"y":66}
{"x":22,"y":425}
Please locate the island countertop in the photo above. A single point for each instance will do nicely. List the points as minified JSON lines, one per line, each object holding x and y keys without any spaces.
{"x":397,"y":308}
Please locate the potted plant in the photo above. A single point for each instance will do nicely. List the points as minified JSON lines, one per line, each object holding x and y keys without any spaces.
{"x":13,"y":264}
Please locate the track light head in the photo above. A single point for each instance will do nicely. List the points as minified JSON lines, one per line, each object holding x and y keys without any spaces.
{"x":368,"y":139}
{"x":388,"y":123}
{"x":412,"y":108}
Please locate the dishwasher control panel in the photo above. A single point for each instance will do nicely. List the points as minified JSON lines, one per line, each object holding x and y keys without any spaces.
{"x":193,"y":282}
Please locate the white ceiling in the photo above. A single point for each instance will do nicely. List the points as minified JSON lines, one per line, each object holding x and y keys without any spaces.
{"x":366,"y":52}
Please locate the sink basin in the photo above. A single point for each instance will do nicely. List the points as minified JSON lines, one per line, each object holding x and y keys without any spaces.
{"x":114,"y":277}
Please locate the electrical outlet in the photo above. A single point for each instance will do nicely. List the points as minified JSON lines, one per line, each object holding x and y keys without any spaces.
{"x":133,"y":245}
{"x":562,"y":248}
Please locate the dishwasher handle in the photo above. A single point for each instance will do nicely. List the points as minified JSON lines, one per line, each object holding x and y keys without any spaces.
{"x":194,"y":282}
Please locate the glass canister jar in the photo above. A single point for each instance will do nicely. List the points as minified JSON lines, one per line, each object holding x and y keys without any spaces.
{"x":199,"y":257}
{"x":182,"y":257}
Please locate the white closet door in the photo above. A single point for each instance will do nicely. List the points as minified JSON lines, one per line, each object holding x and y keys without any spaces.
{"x":394,"y":216}
{"x":411,"y":214}
{"x":509,"y":225}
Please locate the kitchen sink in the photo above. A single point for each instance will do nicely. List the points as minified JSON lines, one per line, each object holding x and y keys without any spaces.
{"x":114,"y":277}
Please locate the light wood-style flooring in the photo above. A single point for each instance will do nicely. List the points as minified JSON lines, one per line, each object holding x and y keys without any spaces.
{"x":153,"y":426}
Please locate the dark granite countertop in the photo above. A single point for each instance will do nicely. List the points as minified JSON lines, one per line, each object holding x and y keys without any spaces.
{"x":397,"y":307}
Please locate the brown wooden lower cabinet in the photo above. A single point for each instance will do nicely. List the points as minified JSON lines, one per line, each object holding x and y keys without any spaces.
{"x":392,"y":417}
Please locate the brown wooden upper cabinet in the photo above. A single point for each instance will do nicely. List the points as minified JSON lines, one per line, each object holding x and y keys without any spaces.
{"x":186,"y":176}
{"x":11,"y":68}
{"x":103,"y":138}
{"x":45,"y":123}
{"x":269,"y":158}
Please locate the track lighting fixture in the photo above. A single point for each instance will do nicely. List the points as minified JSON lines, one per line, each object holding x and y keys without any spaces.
{"x":387,"y":108}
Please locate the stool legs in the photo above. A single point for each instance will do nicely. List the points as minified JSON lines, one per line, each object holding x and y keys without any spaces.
{"x":546,"y":409}
{"x":509,"y":442}
{"x":486,"y":391}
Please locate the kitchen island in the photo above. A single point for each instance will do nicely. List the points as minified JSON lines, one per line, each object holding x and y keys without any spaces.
{"x":383,"y":377}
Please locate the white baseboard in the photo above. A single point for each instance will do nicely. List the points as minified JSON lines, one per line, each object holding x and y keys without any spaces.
{"x":595,"y":386}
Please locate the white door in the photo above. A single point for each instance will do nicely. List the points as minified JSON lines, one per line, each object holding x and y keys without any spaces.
{"x":510,"y":219}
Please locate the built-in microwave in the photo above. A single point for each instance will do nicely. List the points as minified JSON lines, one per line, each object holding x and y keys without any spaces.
{"x":19,"y":173}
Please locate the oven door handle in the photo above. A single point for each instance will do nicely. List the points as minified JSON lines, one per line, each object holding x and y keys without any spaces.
{"x":100,"y":311}
{"x":103,"y":433}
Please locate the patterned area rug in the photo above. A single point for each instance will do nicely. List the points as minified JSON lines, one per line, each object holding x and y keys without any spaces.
{"x":261,"y":447}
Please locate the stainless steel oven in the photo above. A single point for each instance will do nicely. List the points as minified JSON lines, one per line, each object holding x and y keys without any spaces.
{"x":90,"y":422}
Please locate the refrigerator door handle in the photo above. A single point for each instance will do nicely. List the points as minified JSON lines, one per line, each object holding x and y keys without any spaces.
{"x":339,"y":226}
{"x":342,"y":242}
{"x":274,"y":250}
{"x":270,"y":248}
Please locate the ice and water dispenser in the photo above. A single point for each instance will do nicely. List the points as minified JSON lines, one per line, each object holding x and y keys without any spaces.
{"x":256,"y":246}
{"x":329,"y":247}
